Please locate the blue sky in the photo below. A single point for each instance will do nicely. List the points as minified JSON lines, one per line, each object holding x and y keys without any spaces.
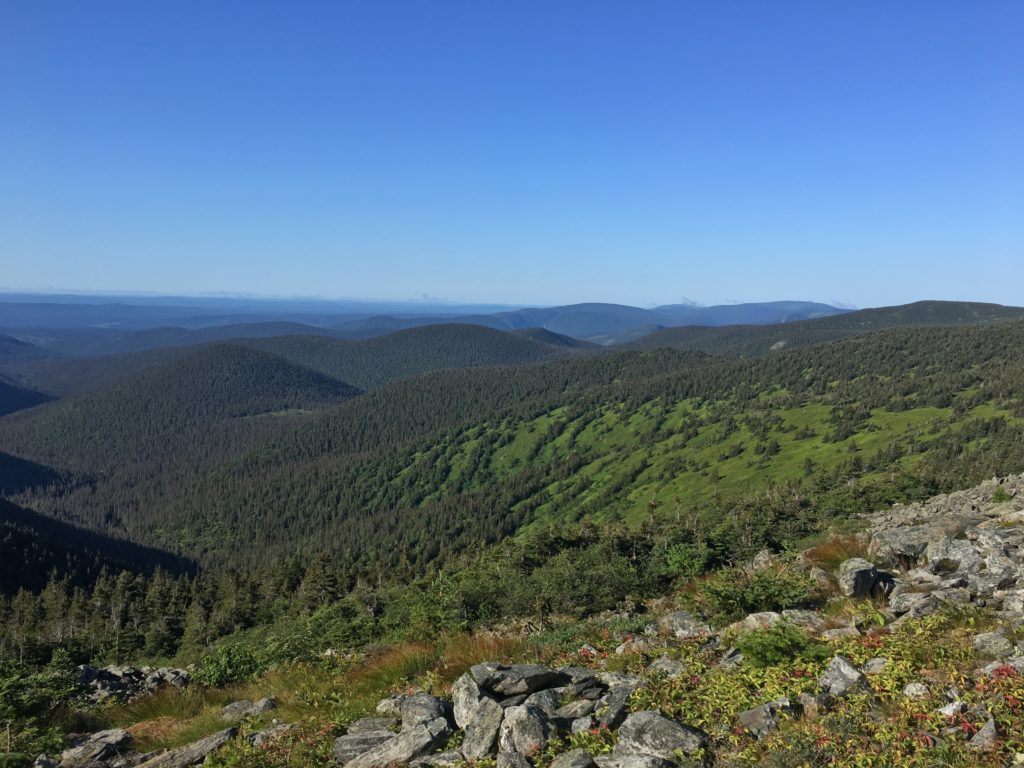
{"x":521,"y":152}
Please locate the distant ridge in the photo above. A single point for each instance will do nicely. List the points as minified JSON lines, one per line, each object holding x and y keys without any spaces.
{"x":746,"y":341}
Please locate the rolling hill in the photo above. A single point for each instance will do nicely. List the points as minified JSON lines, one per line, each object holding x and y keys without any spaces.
{"x":364,"y":364}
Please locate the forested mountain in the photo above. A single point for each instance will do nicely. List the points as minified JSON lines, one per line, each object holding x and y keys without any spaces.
{"x":748,"y":340}
{"x":144,"y":415}
{"x":364,"y":364}
{"x":377,"y":361}
{"x":431,"y":465}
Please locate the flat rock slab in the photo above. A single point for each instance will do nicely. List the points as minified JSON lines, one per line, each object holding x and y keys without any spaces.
{"x":193,"y":754}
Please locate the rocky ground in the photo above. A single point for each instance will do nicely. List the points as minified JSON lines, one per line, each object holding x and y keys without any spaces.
{"x":916,"y":657}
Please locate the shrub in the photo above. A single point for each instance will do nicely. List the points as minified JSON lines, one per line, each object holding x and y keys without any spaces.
{"x":732,"y":593}
{"x":228,"y":664}
{"x":1000,"y":495}
{"x":781,"y":643}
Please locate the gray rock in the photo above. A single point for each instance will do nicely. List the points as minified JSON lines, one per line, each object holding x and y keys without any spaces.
{"x":857,"y":577}
{"x":682,"y":625}
{"x":808,"y":620}
{"x":648,"y":733}
{"x":440,"y":760}
{"x":762,"y":720}
{"x":756,"y":621}
{"x":814,"y":705}
{"x":391,"y":706}
{"x":411,"y":743}
{"x":270,"y":734}
{"x":98,"y":747}
{"x":422,"y":708}
{"x":351,"y":745}
{"x":840,"y":633}
{"x":581,"y":724}
{"x":902,"y":600}
{"x":915,"y":691}
{"x":481,"y":737}
{"x":617,"y":702}
{"x":577,"y":758}
{"x":466,"y":698}
{"x":901,"y":546}
{"x":670,"y":668}
{"x":192,"y":754}
{"x":875,"y":666}
{"x":516,"y":679}
{"x":42,"y":761}
{"x":525,"y":729}
{"x":547,"y":701}
{"x":633,"y":761}
{"x":371,"y":724}
{"x":576,"y":709}
{"x":239,"y":709}
{"x":512,"y":760}
{"x":992,"y":645}
{"x":841,"y":678}
{"x":986,"y":738}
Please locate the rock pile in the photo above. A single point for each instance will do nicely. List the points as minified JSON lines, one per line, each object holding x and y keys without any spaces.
{"x":127,"y":683}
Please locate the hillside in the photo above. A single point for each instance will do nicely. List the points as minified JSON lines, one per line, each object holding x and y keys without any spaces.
{"x":136,"y":415}
{"x":13,"y":350}
{"x":426,"y":467}
{"x":750,"y":340}
{"x":14,"y":397}
{"x":34,"y":549}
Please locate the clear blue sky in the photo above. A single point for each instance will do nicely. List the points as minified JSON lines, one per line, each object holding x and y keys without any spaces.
{"x":519,"y":151}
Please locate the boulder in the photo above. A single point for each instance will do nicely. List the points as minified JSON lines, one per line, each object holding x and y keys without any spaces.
{"x":808,"y":620}
{"x":650,"y":734}
{"x":236,"y":710}
{"x":422,"y":708}
{"x":633,"y":761}
{"x":268,"y":735}
{"x":192,"y":754}
{"x":762,"y":720}
{"x":547,"y":701}
{"x":670,"y":668}
{"x":992,"y":645}
{"x":756,"y":621}
{"x":99,"y":747}
{"x":516,"y":679}
{"x":986,"y":738}
{"x":576,"y":709}
{"x":525,"y":729}
{"x":841,"y":678}
{"x":466,"y":698}
{"x":511,"y":760}
{"x":481,"y":734}
{"x":875,"y":666}
{"x":353,"y":744}
{"x":412,"y":742}
{"x":371,"y":724}
{"x":577,"y":758}
{"x":440,"y":760}
{"x":683,"y":625}
{"x":857,"y":577}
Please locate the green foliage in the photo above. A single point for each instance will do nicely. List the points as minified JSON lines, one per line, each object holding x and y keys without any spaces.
{"x":1000,"y":495}
{"x":732,"y":593}
{"x":228,"y":663}
{"x":32,"y":702}
{"x":778,"y":644}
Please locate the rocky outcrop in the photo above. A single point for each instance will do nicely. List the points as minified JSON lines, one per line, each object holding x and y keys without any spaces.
{"x":125,"y":683}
